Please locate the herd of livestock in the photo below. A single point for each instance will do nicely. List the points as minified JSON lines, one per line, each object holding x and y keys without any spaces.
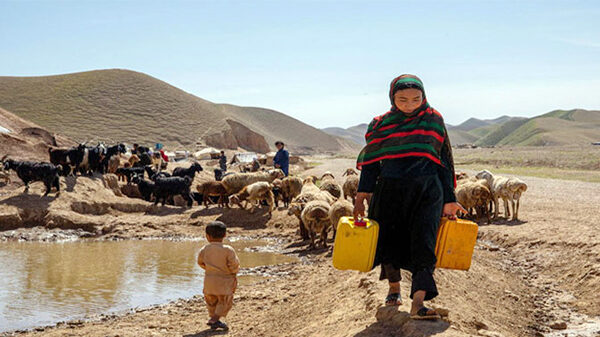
{"x":318,"y":202}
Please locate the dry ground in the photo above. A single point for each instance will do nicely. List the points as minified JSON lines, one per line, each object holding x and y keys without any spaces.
{"x":525,"y":276}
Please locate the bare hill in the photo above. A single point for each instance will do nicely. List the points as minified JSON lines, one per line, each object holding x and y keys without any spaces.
{"x":559,"y":127}
{"x":122,"y":105}
{"x":21,"y":139}
{"x":354,"y":133}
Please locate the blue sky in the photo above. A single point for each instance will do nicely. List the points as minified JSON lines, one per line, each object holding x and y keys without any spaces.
{"x":327,"y":63}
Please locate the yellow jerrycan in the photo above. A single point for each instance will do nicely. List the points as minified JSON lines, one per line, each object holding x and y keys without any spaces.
{"x":455,"y":244}
{"x":355,"y":244}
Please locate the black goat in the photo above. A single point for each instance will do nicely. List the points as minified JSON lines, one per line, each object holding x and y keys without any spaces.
{"x":88,"y":159}
{"x":153,"y":174}
{"x":145,"y":159}
{"x":111,"y":151}
{"x":145,"y":187}
{"x":29,"y":171}
{"x":63,"y":157}
{"x":199,"y":197}
{"x":129,"y":172}
{"x":218,"y":174}
{"x":171,"y":186}
{"x":187,"y":172}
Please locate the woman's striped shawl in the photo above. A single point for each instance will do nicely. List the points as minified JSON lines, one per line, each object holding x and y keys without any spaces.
{"x":395,"y":135}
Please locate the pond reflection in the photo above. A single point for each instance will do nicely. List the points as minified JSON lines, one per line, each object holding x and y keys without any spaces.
{"x":43,"y":283}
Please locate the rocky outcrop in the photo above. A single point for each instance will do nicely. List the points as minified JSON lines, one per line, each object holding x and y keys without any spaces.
{"x":247,"y":138}
{"x":238,"y":136}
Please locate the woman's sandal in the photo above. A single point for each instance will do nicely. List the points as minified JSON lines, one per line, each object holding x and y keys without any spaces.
{"x":393,"y":299}
{"x":425,"y":314}
{"x":218,"y":324}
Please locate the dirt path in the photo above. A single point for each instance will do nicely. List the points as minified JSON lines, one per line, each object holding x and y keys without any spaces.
{"x":526,"y":277}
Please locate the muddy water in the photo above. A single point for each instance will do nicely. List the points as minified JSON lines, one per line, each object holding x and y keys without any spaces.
{"x":44,"y":283}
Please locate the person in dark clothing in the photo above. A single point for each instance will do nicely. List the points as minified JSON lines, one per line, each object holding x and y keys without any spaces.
{"x":407,"y":176}
{"x":282,"y":158}
{"x":223,"y":161}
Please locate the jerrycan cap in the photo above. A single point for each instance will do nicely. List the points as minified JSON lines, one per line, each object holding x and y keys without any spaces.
{"x":360,"y":223}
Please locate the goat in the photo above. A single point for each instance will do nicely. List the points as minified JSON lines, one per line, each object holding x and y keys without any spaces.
{"x":29,"y":171}
{"x":190,"y":171}
{"x":153,"y":174}
{"x":213,"y":189}
{"x":63,"y":158}
{"x":171,"y":186}
{"x":145,"y":187}
{"x":129,"y":172}
{"x":112,"y":151}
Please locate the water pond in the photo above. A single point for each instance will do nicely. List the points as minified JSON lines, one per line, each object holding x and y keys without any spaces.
{"x":44,"y":283}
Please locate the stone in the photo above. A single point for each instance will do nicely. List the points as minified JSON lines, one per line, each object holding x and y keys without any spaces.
{"x":391,"y":315}
{"x":487,"y":333}
{"x":558,"y":326}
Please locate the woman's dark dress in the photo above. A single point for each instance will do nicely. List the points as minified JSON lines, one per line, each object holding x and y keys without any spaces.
{"x":407,"y":201}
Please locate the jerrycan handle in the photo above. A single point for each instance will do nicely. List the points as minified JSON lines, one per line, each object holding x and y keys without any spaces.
{"x":360,"y":223}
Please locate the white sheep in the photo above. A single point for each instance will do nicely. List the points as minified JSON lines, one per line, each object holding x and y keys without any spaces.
{"x":339,"y":209}
{"x":254,"y":194}
{"x":502,"y":188}
{"x":235,"y":182}
{"x":350,"y":187}
{"x":315,"y":217}
{"x":515,"y":187}
{"x":308,"y":185}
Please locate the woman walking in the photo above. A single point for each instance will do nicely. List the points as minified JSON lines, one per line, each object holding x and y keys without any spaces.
{"x":407,"y":175}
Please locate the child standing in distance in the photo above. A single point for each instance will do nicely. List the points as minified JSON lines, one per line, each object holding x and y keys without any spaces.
{"x":221,"y":265}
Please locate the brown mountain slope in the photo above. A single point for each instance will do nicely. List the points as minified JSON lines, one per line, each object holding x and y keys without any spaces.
{"x":21,"y":139}
{"x":122,"y":105}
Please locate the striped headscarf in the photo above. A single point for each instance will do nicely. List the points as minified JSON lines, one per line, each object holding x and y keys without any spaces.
{"x":395,"y":134}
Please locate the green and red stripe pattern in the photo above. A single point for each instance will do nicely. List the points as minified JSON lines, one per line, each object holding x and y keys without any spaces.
{"x":393,"y":135}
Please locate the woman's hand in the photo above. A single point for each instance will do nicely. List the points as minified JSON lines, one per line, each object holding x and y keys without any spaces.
{"x":359,"y":204}
{"x":452,"y":209}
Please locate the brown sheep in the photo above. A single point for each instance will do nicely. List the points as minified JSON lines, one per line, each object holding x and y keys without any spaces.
{"x":339,"y":209}
{"x":350,"y":187}
{"x":474,"y":195}
{"x":315,"y":217}
{"x":212,"y":189}
{"x":332,"y":187}
{"x":327,"y":176}
{"x":298,"y":203}
{"x":349,"y":172}
{"x":461,"y":176}
{"x":290,"y":188}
